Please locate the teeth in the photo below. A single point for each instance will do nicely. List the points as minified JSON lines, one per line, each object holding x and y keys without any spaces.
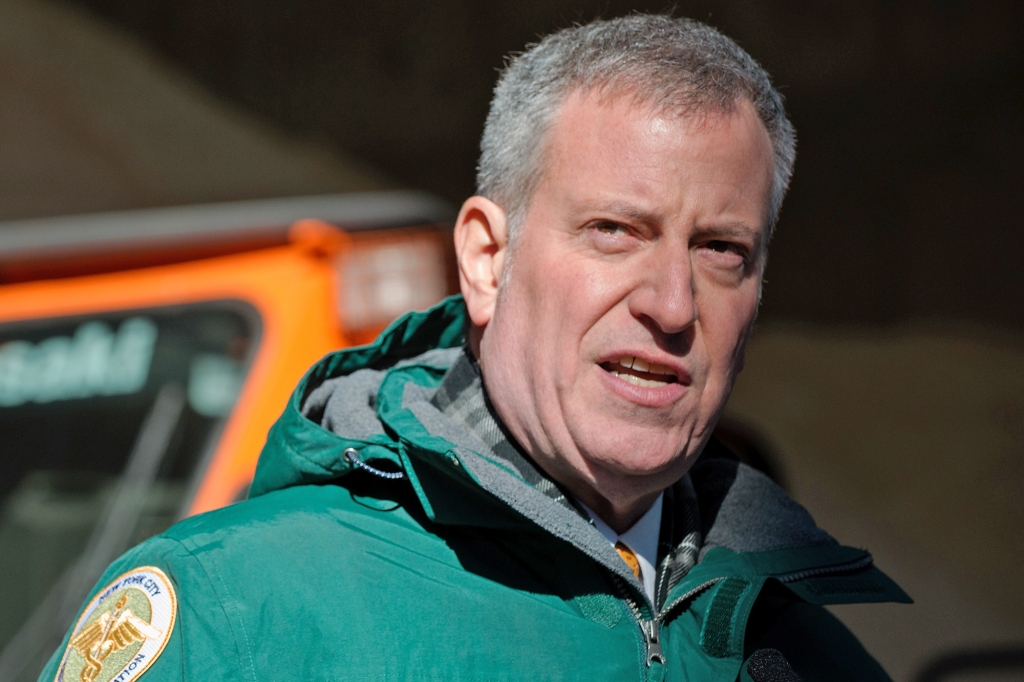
{"x":630,"y":362}
{"x":637,"y":381}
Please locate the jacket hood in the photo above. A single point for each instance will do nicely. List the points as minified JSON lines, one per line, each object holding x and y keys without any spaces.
{"x":376,"y":400}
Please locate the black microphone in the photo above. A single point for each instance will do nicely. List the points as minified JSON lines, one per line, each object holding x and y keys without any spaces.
{"x":769,"y":665}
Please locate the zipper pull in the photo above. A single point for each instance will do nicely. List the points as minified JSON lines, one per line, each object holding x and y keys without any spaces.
{"x":352,"y":455}
{"x":653,"y":637}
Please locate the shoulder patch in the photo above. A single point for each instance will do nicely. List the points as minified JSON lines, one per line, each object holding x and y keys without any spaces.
{"x":123,"y":630}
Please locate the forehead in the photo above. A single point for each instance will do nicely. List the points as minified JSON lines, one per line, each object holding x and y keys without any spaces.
{"x":616,"y":149}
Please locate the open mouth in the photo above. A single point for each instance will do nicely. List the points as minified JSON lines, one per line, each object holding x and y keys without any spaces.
{"x":639,"y":372}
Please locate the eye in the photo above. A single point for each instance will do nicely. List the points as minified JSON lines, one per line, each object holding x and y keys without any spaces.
{"x":724,"y":247}
{"x":726,"y":254}
{"x":610,"y":228}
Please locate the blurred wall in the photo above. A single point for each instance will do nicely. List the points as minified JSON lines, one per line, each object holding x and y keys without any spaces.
{"x":92,"y":119}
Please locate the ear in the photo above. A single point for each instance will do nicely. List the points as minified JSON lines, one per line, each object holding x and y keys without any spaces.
{"x":481,"y":241}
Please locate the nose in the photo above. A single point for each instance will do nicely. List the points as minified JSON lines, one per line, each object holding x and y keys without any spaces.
{"x":665,"y":296}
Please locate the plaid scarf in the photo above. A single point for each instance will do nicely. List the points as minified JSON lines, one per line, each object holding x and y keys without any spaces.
{"x":463,"y":398}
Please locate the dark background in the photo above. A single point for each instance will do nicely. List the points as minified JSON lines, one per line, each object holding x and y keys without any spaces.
{"x":908,"y":196}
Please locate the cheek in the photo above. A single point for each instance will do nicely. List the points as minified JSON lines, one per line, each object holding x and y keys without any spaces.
{"x":565,"y":298}
{"x":726,"y":321}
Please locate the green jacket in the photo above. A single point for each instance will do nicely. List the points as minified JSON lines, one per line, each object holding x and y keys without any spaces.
{"x":459,"y":570}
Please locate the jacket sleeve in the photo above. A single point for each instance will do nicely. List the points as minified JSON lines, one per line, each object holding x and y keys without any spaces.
{"x":202,"y":643}
{"x":816,"y":644}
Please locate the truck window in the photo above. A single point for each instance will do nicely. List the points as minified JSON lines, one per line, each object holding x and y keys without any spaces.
{"x":106,"y":422}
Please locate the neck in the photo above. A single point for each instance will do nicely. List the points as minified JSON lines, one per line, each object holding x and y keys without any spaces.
{"x":620,"y":516}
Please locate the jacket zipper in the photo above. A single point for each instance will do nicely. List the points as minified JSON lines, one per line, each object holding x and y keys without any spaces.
{"x":848,"y":567}
{"x":651,"y":629}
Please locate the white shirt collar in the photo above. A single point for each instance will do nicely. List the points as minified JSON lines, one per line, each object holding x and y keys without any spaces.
{"x":642,"y":538}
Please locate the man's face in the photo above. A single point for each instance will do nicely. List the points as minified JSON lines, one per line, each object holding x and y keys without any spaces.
{"x":619,"y":330}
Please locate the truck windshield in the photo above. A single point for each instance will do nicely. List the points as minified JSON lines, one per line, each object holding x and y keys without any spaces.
{"x":106,"y":422}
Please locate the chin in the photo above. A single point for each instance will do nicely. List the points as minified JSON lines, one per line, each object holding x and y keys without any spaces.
{"x":636,"y":459}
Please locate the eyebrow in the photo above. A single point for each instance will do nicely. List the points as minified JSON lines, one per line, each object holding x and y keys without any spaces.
{"x":622,"y":208}
{"x":731,"y":230}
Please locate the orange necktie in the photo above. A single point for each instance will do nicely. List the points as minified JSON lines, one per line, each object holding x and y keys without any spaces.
{"x":629,"y":556}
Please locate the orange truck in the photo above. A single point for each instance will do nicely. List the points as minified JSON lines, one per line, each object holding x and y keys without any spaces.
{"x":145,"y":354}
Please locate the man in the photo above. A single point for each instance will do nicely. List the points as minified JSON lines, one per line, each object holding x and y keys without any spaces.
{"x":523,"y":484}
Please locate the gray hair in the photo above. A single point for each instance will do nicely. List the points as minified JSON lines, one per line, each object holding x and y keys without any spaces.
{"x":676,"y":64}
